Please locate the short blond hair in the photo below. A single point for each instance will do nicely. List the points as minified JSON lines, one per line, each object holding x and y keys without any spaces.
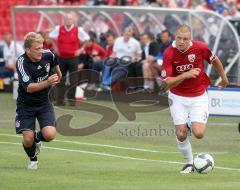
{"x":184,"y":28}
{"x":32,"y":37}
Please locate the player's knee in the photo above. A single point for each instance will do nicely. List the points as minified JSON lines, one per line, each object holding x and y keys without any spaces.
{"x":199,"y":135}
{"x":199,"y":130}
{"x":28,"y":141}
{"x":49,"y":137}
{"x":181,"y":136}
{"x":49,"y":133}
{"x":28,"y":138}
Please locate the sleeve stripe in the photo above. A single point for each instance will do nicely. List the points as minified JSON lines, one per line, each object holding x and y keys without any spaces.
{"x":20,"y":66}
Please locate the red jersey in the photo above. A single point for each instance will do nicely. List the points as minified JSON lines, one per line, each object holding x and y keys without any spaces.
{"x":95,"y":50}
{"x":109,"y":50}
{"x":68,"y":42}
{"x":176,"y":62}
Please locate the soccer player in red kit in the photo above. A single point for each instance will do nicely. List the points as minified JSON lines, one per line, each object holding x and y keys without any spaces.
{"x":184,"y":76}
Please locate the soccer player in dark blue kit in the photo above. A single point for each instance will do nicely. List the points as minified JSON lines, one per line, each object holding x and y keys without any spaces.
{"x":37,"y":70}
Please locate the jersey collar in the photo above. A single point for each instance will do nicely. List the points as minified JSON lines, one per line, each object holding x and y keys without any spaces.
{"x":68,"y":29}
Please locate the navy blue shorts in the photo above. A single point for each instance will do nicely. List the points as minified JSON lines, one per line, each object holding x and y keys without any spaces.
{"x":26,"y":117}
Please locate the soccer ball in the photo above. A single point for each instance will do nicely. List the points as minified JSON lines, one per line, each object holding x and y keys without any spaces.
{"x":203,"y":163}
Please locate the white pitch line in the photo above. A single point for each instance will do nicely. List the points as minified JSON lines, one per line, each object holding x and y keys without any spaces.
{"x":101,"y":145}
{"x":119,"y":156}
{"x":112,"y":146}
{"x":137,"y":123}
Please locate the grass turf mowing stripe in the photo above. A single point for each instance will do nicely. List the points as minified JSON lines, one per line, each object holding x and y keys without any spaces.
{"x":119,"y":156}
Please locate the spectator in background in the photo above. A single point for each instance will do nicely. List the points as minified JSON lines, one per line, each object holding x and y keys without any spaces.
{"x":211,"y":4}
{"x":165,"y":40}
{"x":95,"y":54}
{"x":234,"y":12}
{"x":103,"y":40}
{"x":48,"y":42}
{"x":2,"y":63}
{"x":110,"y":38}
{"x":127,"y":46}
{"x":150,"y":66}
{"x":100,"y":24}
{"x":184,"y":3}
{"x":125,"y":49}
{"x":128,"y":49}
{"x":72,"y":1}
{"x":68,"y":38}
{"x":226,"y":13}
{"x":10,"y":55}
{"x":168,"y":3}
{"x":107,"y":81}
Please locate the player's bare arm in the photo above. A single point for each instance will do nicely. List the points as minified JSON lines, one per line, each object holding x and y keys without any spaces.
{"x":174,"y":81}
{"x":35,"y":87}
{"x":57,"y":71}
{"x":219,"y":68}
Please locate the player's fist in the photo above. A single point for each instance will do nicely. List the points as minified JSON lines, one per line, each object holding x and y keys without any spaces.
{"x":53,"y":79}
{"x":193,"y":73}
{"x":223,"y":83}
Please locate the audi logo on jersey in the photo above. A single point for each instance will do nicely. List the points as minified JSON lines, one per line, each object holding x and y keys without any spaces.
{"x":186,"y":67}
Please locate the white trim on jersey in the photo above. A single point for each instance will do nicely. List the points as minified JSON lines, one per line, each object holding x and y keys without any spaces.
{"x":46,"y":50}
{"x":20,"y":66}
{"x":175,"y":46}
{"x":82,"y":34}
{"x":49,"y":51}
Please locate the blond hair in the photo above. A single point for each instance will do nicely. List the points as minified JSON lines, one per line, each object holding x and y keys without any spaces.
{"x":32,"y":37}
{"x":184,"y":28}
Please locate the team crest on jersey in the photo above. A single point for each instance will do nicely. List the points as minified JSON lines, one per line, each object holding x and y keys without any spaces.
{"x":191,"y":57}
{"x":163,"y":73}
{"x":47,"y":67}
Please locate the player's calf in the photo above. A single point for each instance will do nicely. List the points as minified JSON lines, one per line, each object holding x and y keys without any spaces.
{"x":30,"y":150}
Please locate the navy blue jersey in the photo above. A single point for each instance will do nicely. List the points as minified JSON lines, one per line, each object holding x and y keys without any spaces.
{"x":34,"y":72}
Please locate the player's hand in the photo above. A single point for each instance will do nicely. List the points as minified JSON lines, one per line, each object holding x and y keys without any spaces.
{"x":223,"y":83}
{"x":193,"y":73}
{"x":53,"y":79}
{"x":59,"y":78}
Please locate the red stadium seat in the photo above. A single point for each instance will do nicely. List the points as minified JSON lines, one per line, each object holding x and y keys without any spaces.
{"x":3,"y":12}
{"x":22,"y":2}
{"x":12,"y":2}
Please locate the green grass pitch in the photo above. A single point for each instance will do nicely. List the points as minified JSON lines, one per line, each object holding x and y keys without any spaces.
{"x":127,"y":155}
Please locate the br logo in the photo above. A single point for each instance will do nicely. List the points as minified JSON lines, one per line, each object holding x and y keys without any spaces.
{"x":215,"y":102}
